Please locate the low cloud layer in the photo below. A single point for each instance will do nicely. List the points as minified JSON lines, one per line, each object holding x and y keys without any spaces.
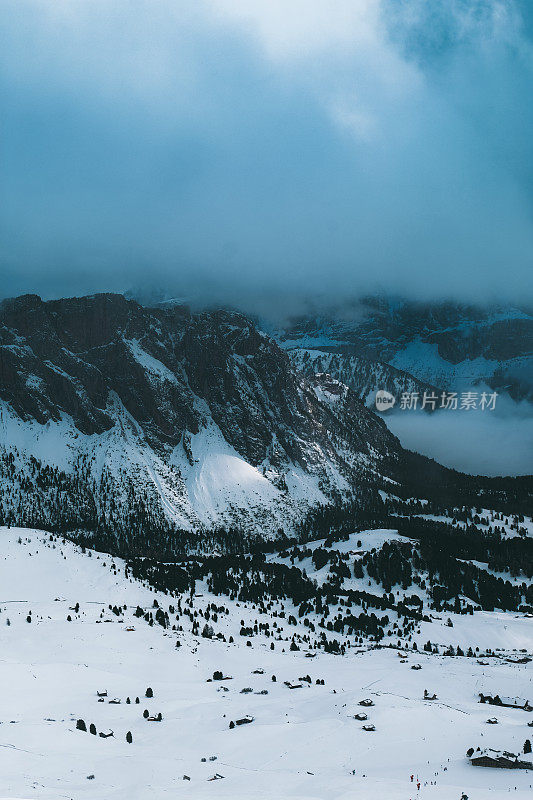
{"x":245,"y":148}
{"x":477,"y":442}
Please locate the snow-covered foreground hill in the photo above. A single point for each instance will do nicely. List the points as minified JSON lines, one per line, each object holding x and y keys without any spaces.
{"x":302,"y":743}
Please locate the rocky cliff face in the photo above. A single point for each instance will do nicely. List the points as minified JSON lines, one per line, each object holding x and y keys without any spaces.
{"x":362,"y":375}
{"x":112,"y":412}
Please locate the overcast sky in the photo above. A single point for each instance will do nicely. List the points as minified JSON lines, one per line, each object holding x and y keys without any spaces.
{"x":276,"y":147}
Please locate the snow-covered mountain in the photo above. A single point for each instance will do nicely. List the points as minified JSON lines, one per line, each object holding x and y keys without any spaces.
{"x":447,"y":345}
{"x":118,"y":415}
{"x":363,"y":376}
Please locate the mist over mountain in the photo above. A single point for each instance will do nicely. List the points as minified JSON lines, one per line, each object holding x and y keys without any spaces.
{"x":260,"y":148}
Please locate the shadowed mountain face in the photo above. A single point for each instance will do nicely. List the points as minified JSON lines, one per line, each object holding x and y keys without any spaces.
{"x":171,"y":370}
{"x":201,"y":415}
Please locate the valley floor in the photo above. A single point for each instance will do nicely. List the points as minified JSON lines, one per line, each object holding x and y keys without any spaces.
{"x":303,"y":743}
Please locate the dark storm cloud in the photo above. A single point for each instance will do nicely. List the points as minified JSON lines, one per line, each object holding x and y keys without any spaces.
{"x":239,"y":148}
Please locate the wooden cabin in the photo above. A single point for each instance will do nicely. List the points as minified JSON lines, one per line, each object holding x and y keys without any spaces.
{"x":498,"y":759}
{"x":506,"y":702}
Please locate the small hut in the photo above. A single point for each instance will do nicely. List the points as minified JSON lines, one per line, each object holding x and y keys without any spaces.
{"x":499,"y":759}
{"x":506,"y":702}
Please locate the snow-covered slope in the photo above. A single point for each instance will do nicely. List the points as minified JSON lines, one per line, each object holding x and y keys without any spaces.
{"x":210,"y":484}
{"x":86,"y":636}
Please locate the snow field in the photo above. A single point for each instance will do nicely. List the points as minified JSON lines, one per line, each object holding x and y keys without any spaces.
{"x":303,"y":743}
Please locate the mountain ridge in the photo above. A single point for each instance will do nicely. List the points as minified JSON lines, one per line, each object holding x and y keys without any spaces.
{"x":166,"y":425}
{"x":202,"y":411}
